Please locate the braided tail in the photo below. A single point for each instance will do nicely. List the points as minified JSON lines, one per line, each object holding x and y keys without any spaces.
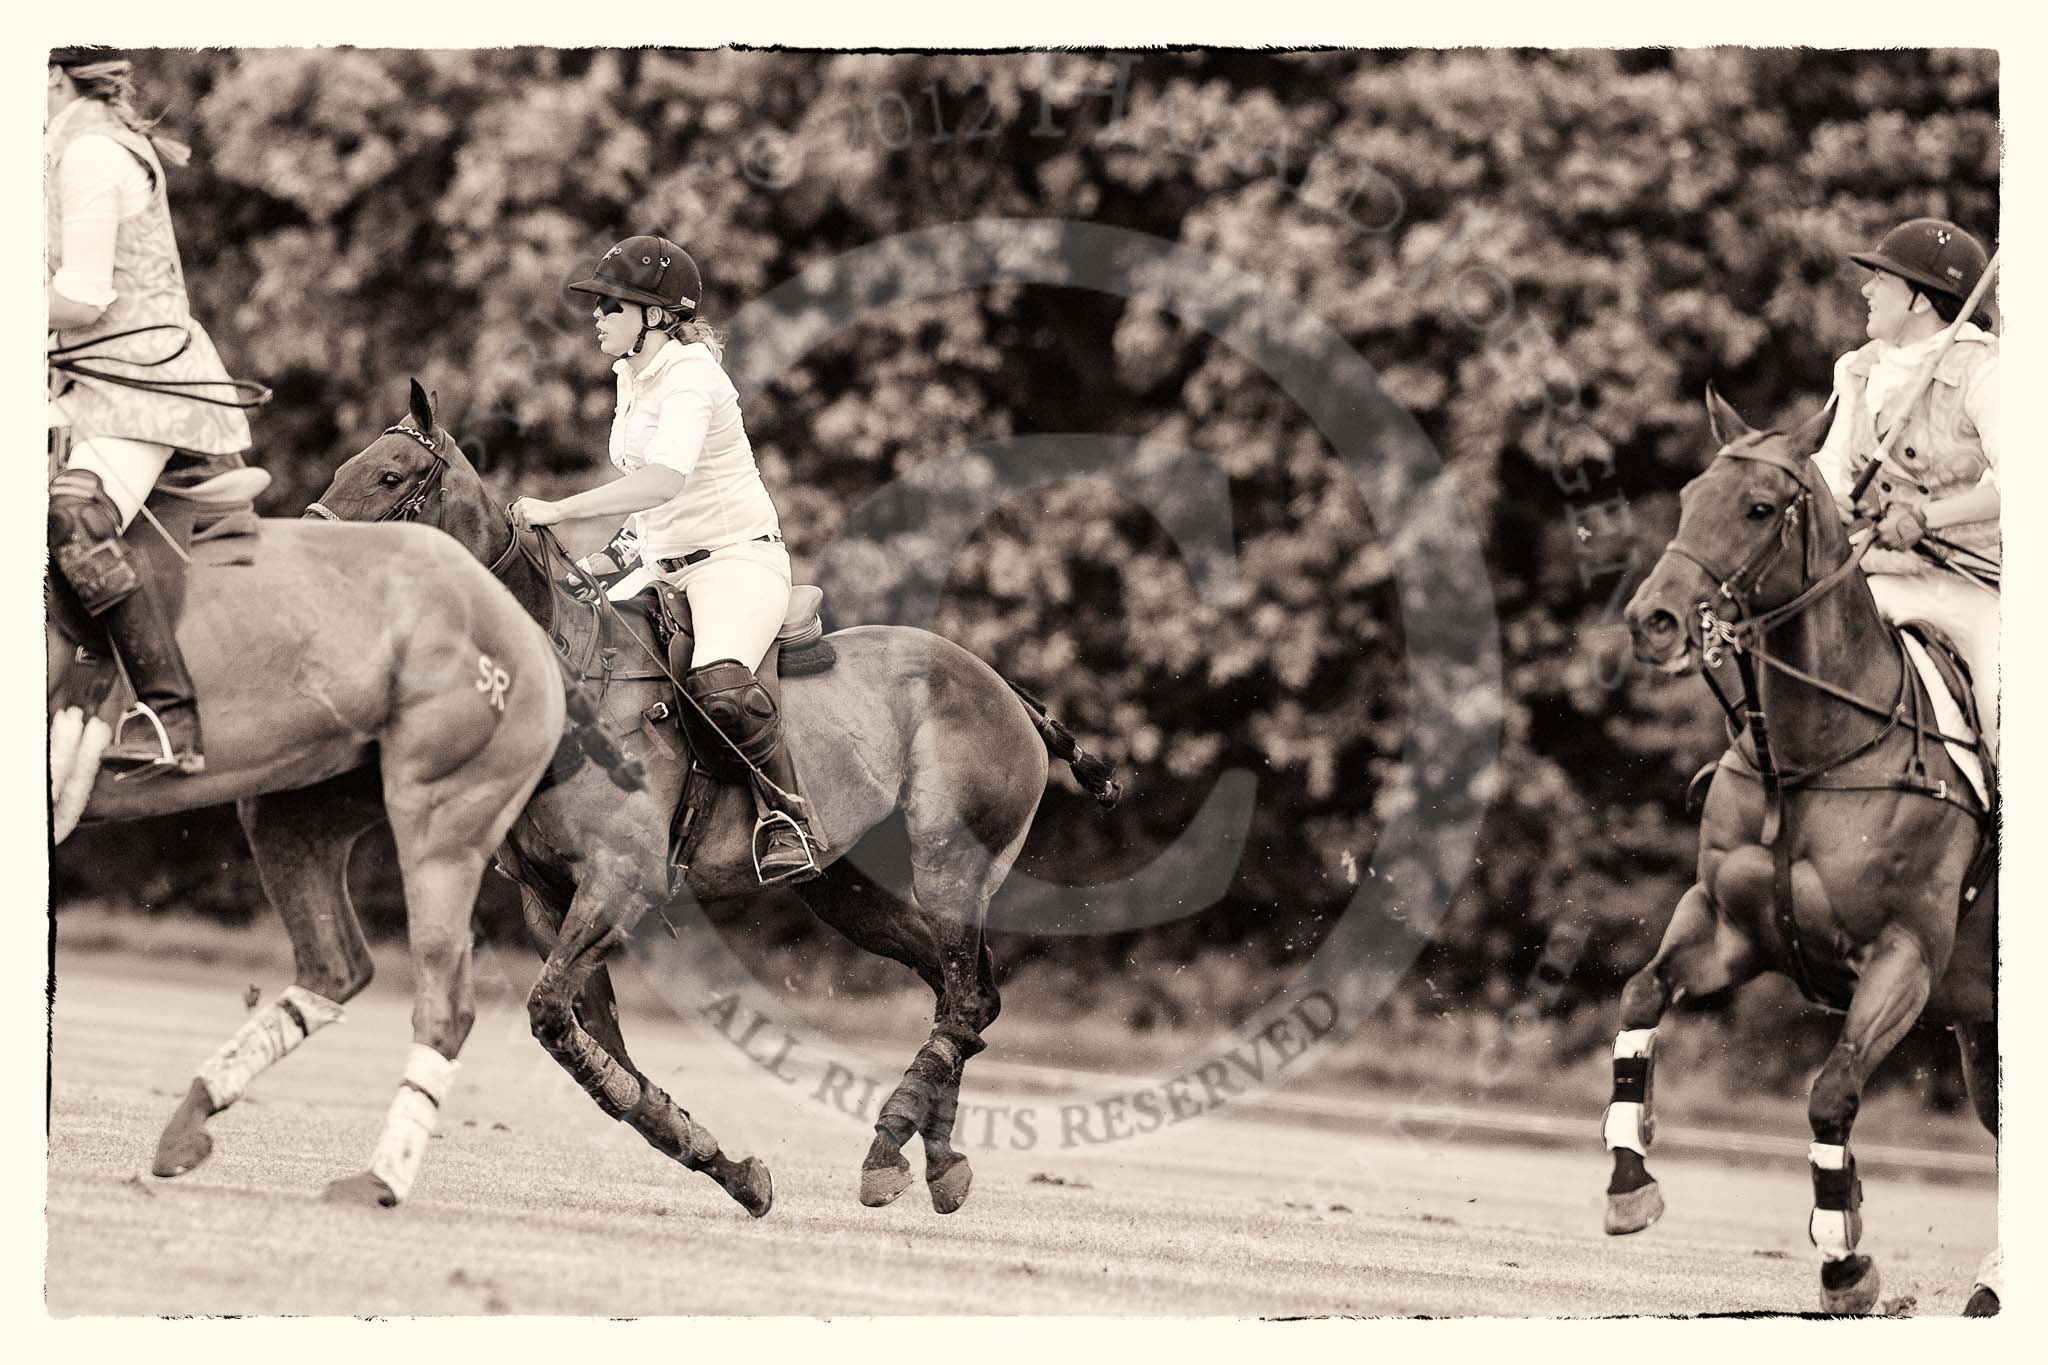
{"x":1097,"y":776}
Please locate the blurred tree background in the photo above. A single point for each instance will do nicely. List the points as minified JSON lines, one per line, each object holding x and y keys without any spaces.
{"x":1545,"y":256}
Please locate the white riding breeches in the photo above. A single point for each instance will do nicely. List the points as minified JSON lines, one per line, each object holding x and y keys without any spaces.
{"x":1967,"y":612}
{"x":738,"y":597}
{"x":128,"y":470}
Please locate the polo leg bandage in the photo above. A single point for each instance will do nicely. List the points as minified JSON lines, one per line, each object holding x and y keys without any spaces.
{"x":263,"y":1040}
{"x":410,"y":1122}
{"x":1627,"y":1122}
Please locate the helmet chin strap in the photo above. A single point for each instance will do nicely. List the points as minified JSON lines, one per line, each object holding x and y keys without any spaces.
{"x":669,"y":329}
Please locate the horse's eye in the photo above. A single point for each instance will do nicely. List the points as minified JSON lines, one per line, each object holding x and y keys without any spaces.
{"x":1758,"y":511}
{"x":391,"y":478}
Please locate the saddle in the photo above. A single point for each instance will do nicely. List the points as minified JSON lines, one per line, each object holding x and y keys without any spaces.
{"x":210,"y":524}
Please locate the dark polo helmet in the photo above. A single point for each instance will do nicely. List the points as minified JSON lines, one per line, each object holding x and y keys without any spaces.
{"x":650,"y":270}
{"x":1936,"y":255}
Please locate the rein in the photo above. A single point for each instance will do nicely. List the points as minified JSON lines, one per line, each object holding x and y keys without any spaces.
{"x":71,"y":360}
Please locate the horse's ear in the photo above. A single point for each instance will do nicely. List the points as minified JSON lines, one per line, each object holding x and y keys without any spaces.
{"x":1724,"y":421}
{"x":1813,"y":432}
{"x":422,"y":408}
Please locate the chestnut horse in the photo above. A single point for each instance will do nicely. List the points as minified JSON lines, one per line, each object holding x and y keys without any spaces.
{"x":375,"y":660}
{"x":1838,"y":840}
{"x":905,"y":721}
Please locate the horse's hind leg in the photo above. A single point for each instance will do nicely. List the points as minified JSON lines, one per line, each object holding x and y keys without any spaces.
{"x":600,"y":918}
{"x":301,"y":842}
{"x":1979,"y":1045}
{"x":954,"y":875}
{"x":1700,"y":955}
{"x":1892,"y":987}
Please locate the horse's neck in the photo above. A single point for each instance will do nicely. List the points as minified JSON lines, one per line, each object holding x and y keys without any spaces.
{"x":1843,"y":641}
{"x":492,"y":539}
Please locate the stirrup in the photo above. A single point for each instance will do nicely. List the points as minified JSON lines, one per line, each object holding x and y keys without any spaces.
{"x":771,"y":820}
{"x":149,"y":765}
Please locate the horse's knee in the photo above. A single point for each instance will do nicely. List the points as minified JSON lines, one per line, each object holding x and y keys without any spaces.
{"x":1643,"y":999}
{"x":1832,"y":1103}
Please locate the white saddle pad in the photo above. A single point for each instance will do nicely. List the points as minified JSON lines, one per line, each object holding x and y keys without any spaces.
{"x":1948,"y":715}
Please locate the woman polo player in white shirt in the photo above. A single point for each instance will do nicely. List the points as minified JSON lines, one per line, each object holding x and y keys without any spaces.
{"x":699,"y":512}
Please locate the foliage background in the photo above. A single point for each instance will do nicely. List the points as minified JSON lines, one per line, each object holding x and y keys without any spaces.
{"x":1544,"y":255}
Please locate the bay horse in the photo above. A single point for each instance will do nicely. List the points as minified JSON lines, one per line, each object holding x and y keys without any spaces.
{"x":1838,"y":838}
{"x":374,"y":663}
{"x":904,"y":722}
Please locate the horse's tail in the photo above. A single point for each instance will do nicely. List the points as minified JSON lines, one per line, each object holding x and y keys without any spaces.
{"x":585,"y":735}
{"x":1097,"y":776}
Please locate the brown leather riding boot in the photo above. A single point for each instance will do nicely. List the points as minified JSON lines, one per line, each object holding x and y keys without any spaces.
{"x":143,"y":638}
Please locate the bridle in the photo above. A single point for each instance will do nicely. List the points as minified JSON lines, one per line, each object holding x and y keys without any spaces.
{"x":424,"y":489}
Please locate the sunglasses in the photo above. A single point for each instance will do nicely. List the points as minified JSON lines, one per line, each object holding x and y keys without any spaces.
{"x":606,"y":307}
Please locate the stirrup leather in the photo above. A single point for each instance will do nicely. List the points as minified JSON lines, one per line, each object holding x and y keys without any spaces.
{"x":774,"y":819}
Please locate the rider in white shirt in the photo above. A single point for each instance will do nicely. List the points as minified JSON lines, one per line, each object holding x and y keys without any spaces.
{"x":698,"y":514}
{"x":1942,"y":474}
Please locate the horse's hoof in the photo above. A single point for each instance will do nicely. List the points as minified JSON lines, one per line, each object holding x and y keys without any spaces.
{"x":363,"y":1190}
{"x":949,"y":1183}
{"x":754,"y":1188}
{"x":1635,"y":1210}
{"x":185,"y":1142}
{"x":1983,"y":1303}
{"x":884,"y":1175}
{"x":1848,"y":1286}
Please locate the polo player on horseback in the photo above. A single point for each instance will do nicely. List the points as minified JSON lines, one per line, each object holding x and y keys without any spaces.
{"x":699,"y":514}
{"x":135,"y":382}
{"x":1940,"y":483}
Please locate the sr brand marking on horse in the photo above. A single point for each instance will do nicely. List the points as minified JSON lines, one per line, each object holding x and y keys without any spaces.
{"x":492,"y":681}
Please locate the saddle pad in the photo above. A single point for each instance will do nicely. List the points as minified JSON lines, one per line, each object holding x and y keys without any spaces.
{"x":1948,"y":715}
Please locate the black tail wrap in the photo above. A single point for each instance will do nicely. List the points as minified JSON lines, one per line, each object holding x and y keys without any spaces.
{"x":1097,"y":776}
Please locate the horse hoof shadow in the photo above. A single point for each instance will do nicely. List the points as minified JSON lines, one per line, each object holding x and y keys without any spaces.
{"x":1849,"y":1286}
{"x":949,"y":1184}
{"x":361,"y":1189}
{"x":1634,"y":1211}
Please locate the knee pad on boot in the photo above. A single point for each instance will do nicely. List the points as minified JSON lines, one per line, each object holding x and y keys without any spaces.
{"x":731,"y":698}
{"x":85,"y":542}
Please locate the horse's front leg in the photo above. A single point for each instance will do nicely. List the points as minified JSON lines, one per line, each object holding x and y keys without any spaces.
{"x":1891,"y":989}
{"x":301,"y":842}
{"x":601,"y":917}
{"x":1701,"y":954}
{"x":1979,"y":1045}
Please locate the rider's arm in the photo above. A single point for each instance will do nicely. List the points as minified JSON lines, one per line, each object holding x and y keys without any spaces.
{"x":98,"y":182}
{"x":650,"y":485}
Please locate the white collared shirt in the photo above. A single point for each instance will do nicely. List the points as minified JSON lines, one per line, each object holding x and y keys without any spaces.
{"x":683,"y":413}
{"x":98,"y":183}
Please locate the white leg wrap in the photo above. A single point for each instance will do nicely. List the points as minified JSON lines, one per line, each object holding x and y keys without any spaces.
{"x":1991,"y":1274}
{"x":414,"y":1112}
{"x":1634,"y":1042}
{"x":263,"y":1039}
{"x":1829,"y":1228}
{"x":1830,"y":1232}
{"x":1623,"y":1127}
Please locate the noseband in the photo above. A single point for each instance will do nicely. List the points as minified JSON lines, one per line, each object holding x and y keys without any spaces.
{"x":426,"y":487}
